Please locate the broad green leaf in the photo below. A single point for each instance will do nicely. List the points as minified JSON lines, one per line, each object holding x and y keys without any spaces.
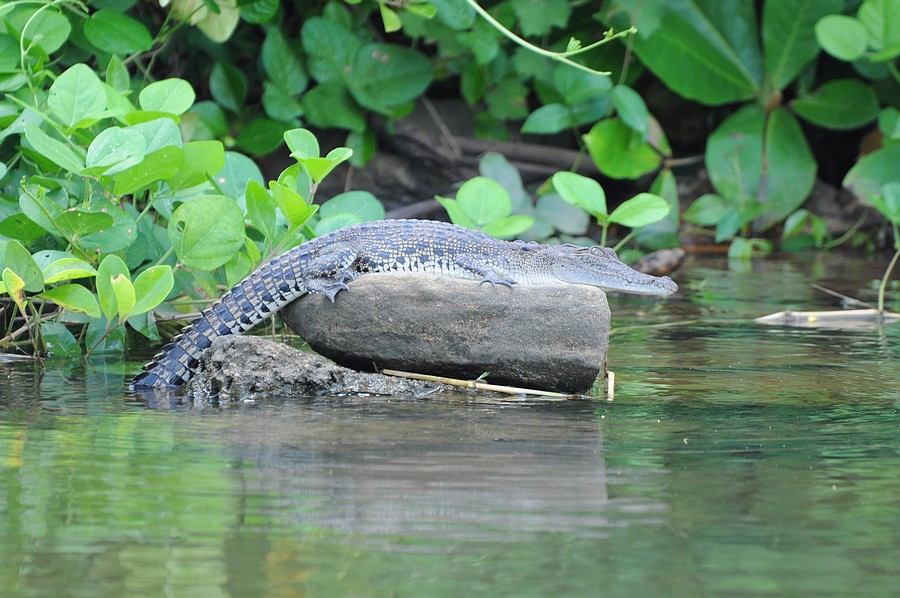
{"x":282,"y":65}
{"x":211,"y":124}
{"x":563,"y":216}
{"x":228,"y":86}
{"x":124,"y":292}
{"x":791,"y":171}
{"x":156,"y":166}
{"x":874,"y":171}
{"x":259,"y":11}
{"x":581,"y":191}
{"x":145,"y":323}
{"x":110,"y":267}
{"x":260,"y":136}
{"x":731,"y":222}
{"x":101,"y":341}
{"x":238,"y":171}
{"x":39,"y":207}
{"x":618,"y":152}
{"x":48,"y":30}
{"x":58,"y":341}
{"x":19,"y":260}
{"x":697,"y":56}
{"x":496,"y":167}
{"x":117,"y":75}
{"x":881,"y":18}
{"x":331,"y":105}
{"x":115,"y":149}
{"x":291,"y":204}
{"x":336,"y":222}
{"x":206,"y":231}
{"x":78,"y":223}
{"x":640,"y":210}
{"x":74,"y":297}
{"x":888,"y":203}
{"x":330,"y":48}
{"x":706,"y":210}
{"x":548,"y":119}
{"x":843,"y":37}
{"x":386,"y":75}
{"x":578,"y":86}
{"x":116,"y":33}
{"x":302,"y":143}
{"x":839,"y":104}
{"x":202,"y":159}
{"x":509,"y":226}
{"x":538,"y":18}
{"x":261,"y":209}
{"x":20,"y":227}
{"x":389,"y":18}
{"x":77,"y":98}
{"x":237,"y":268}
{"x":361,"y":204}
{"x":483,"y":200}
{"x":54,"y":150}
{"x":455,"y":14}
{"x":173,"y":96}
{"x":67,"y":268}
{"x":631,"y":108}
{"x":118,"y":235}
{"x":794,"y":223}
{"x":280,"y":104}
{"x":456,"y":213}
{"x":663,"y":233}
{"x":734,"y":154}
{"x":789,"y":39}
{"x":151,"y":287}
{"x":319,"y":168}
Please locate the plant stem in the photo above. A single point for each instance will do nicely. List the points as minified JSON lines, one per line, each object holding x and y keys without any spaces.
{"x":558,"y":56}
{"x":882,"y":288}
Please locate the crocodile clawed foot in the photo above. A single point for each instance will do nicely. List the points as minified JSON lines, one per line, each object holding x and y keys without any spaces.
{"x":494,"y":280}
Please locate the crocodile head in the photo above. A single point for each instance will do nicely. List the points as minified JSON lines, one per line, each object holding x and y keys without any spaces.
{"x":600,"y":267}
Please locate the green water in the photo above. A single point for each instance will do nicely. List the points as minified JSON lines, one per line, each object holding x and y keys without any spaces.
{"x":735,"y":459}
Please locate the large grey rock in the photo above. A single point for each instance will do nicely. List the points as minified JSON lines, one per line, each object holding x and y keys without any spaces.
{"x":241,"y":367}
{"x":543,"y":337}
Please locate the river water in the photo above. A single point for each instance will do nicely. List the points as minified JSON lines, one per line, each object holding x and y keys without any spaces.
{"x":735,"y":459}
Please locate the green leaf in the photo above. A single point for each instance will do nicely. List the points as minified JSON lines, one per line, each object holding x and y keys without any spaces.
{"x":19,"y":226}
{"x":386,"y":75}
{"x":261,"y":209}
{"x":496,"y":167}
{"x":172,"y":96}
{"x":202,"y":159}
{"x":789,"y":38}
{"x":23,"y":265}
{"x":77,"y":98}
{"x":78,"y":223}
{"x":663,"y":233}
{"x":563,"y":216}
{"x":839,"y":104}
{"x":282,"y":65}
{"x":631,"y":108}
{"x":115,"y":149}
{"x":640,"y":210}
{"x":874,"y":171}
{"x":238,"y":171}
{"x":259,"y":11}
{"x":794,"y":223}
{"x":159,"y":165}
{"x":228,"y":86}
{"x":330,"y":48}
{"x":120,"y":234}
{"x":881,"y":18}
{"x":151,"y":287}
{"x":15,"y":287}
{"x":336,"y":222}
{"x":483,"y":200}
{"x":55,"y":151}
{"x":291,"y":204}
{"x":206,"y":231}
{"x":791,"y":171}
{"x":58,"y":341}
{"x":38,"y":206}
{"x":538,"y":18}
{"x":706,"y":210}
{"x":211,"y":123}
{"x":67,"y":268}
{"x":731,"y":223}
{"x":302,"y":143}
{"x":361,"y":204}
{"x":331,"y":105}
{"x":708,"y":54}
{"x":117,"y":75}
{"x":734,"y":154}
{"x":508,"y":227}
{"x":110,"y":267}
{"x":73,"y":297}
{"x":843,"y":37}
{"x":548,"y":119}
{"x":888,"y":203}
{"x":47,"y":30}
{"x":581,"y":191}
{"x":260,"y":136}
{"x":618,"y":152}
{"x":124,"y":292}
{"x":457,"y":216}
{"x":389,"y":18}
{"x":113,"y":32}
{"x":102,"y":341}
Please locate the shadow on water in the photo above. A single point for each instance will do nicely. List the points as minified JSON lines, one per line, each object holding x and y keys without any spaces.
{"x":735,"y":459}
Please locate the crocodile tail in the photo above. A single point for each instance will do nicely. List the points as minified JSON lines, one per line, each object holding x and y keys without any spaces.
{"x":249,"y":302}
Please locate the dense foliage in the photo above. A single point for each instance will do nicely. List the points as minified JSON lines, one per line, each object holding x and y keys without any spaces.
{"x":122,"y":196}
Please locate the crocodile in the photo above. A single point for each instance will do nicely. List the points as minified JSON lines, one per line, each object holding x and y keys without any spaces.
{"x":327,"y":263}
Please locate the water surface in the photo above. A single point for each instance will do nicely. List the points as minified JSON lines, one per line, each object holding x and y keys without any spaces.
{"x":735,"y":459}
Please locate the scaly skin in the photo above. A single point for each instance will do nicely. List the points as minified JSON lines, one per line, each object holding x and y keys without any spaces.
{"x":326,"y":264}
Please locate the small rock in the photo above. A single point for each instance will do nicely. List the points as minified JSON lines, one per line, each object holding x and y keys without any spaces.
{"x":542,"y":337}
{"x":243,"y":367}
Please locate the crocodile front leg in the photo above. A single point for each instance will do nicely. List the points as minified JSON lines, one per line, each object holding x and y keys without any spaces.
{"x":489,"y":270}
{"x":329,"y":272}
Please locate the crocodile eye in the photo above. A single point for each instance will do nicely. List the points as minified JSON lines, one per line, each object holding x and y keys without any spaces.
{"x":597,"y":250}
